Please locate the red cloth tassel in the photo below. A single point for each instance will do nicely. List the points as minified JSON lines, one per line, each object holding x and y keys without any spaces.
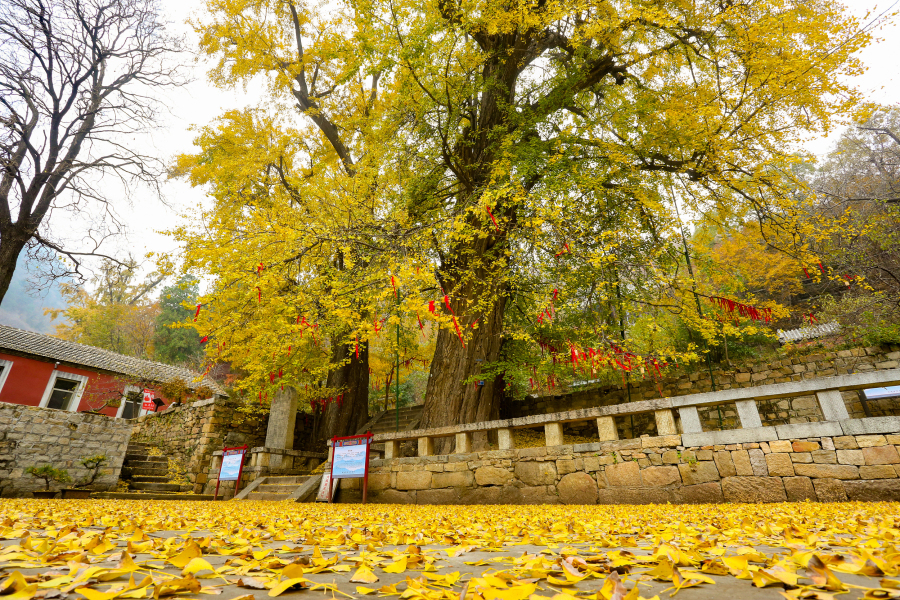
{"x":280,"y":373}
{"x":447,"y":304}
{"x":272,"y":377}
{"x":394,"y":285}
{"x":258,"y":294}
{"x":357,"y":347}
{"x":821,"y":268}
{"x":431,"y":307}
{"x":421,"y":327}
{"x":197,"y":314}
{"x":204,"y":339}
{"x":458,"y":332}
{"x":492,"y":217}
{"x":806,"y":273}
{"x":260,"y":268}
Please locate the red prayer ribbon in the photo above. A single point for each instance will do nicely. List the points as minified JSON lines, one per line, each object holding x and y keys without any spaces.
{"x":492,"y":217}
{"x":204,"y":339}
{"x":197,"y":314}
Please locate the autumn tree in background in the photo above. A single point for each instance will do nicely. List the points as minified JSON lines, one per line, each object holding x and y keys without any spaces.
{"x":114,"y":311}
{"x":174,"y":341}
{"x":77,"y":78}
{"x":855,"y":228}
{"x":515,"y":174}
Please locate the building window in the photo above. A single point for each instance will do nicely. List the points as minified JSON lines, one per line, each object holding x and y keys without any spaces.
{"x":132,"y":399}
{"x":64,"y":391}
{"x":5,"y":366}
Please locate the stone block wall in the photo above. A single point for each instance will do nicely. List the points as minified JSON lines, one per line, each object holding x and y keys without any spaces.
{"x":192,"y":432}
{"x":32,"y":436}
{"x":788,"y":410}
{"x":645,"y":470}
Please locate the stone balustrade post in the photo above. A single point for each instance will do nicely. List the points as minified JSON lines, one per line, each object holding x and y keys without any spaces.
{"x":665,"y":422}
{"x":505,"y":439}
{"x":748,"y":413}
{"x":391,"y":449}
{"x":463,"y":442}
{"x":690,"y":419}
{"x":832,"y":404}
{"x":553,"y":434}
{"x":426,"y":446}
{"x":215,"y":464}
{"x":606,"y":428}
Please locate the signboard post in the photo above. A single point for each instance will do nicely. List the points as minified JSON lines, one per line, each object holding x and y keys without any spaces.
{"x":350,"y":460}
{"x":231,"y":468}
{"x":148,"y":401}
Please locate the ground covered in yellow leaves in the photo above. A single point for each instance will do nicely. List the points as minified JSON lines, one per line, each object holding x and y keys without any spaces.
{"x":108,"y":549}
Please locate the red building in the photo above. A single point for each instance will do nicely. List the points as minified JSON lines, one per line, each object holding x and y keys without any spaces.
{"x":39,"y":370}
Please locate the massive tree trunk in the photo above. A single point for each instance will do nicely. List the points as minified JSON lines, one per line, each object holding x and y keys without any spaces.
{"x":352,"y":379}
{"x":458,"y":391}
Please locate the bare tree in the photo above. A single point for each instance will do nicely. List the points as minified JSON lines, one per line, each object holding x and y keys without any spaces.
{"x":76,"y":78}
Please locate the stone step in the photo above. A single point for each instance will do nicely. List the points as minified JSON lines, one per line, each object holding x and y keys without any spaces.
{"x":254,"y":495}
{"x":130,"y":458}
{"x":285,"y":490}
{"x":152,"y":486}
{"x":141,"y":445}
{"x":150,"y":478}
{"x":150,"y":496}
{"x":147,"y":464}
{"x":150,"y":472}
{"x":286,"y":479}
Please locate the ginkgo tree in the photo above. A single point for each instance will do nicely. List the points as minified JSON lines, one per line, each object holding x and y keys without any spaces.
{"x":483,"y":157}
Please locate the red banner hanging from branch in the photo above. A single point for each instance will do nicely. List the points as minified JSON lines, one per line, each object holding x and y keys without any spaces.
{"x":744,"y":310}
{"x":488,"y":207}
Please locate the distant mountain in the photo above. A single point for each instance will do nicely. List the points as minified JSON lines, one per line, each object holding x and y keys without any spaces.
{"x":24,"y":309}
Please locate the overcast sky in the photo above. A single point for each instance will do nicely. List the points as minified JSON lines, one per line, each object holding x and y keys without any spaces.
{"x":199,"y":103}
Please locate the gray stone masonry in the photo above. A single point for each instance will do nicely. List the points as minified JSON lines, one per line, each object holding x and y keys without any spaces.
{"x":32,"y":436}
{"x":652,"y":469}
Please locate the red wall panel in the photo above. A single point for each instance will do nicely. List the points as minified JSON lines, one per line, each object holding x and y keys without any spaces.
{"x":28,"y":379}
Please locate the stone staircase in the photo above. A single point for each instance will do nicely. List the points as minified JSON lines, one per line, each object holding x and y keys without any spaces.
{"x":277,"y":488}
{"x":387,"y":423}
{"x":149,"y":478}
{"x":409,"y":417}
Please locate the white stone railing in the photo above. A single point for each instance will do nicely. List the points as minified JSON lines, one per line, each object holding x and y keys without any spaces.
{"x":808,"y":332}
{"x":826,"y":389}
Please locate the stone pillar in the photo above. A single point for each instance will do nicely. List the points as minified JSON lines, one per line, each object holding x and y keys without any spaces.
{"x":391,"y":449}
{"x":282,"y":417}
{"x":553,"y":434}
{"x":832,"y":404}
{"x":606,"y":427}
{"x":426,"y":446}
{"x":330,"y":451}
{"x":463,"y":442}
{"x":665,"y":422}
{"x":690,"y":420}
{"x":505,"y":439}
{"x":748,"y":413}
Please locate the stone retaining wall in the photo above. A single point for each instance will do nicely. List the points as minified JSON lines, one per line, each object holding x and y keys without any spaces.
{"x":191,"y":433}
{"x":801,"y":409}
{"x":645,"y":470}
{"x":32,"y":436}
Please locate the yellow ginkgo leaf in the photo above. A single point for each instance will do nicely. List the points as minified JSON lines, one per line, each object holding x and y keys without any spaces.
{"x":191,"y":551}
{"x":288,"y":584}
{"x":398,"y":566}
{"x":197,"y":565}
{"x":365,"y":591}
{"x":364,"y":575}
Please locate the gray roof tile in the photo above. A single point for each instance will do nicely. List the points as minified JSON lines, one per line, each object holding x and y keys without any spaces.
{"x":37,"y":344}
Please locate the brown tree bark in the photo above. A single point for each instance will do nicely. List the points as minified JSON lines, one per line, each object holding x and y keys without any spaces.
{"x":10,"y":248}
{"x":351,"y":378}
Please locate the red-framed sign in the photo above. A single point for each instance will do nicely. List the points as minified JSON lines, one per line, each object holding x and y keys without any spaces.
{"x":232,"y":467}
{"x":148,"y":403}
{"x":350,"y":460}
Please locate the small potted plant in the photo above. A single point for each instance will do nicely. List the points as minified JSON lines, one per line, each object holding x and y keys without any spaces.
{"x":93,"y":464}
{"x":48,"y":474}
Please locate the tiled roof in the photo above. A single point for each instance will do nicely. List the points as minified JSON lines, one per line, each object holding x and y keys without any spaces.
{"x":37,"y":344}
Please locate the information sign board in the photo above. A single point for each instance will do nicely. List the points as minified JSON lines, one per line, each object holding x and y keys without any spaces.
{"x":231,"y":468}
{"x":350,"y":460}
